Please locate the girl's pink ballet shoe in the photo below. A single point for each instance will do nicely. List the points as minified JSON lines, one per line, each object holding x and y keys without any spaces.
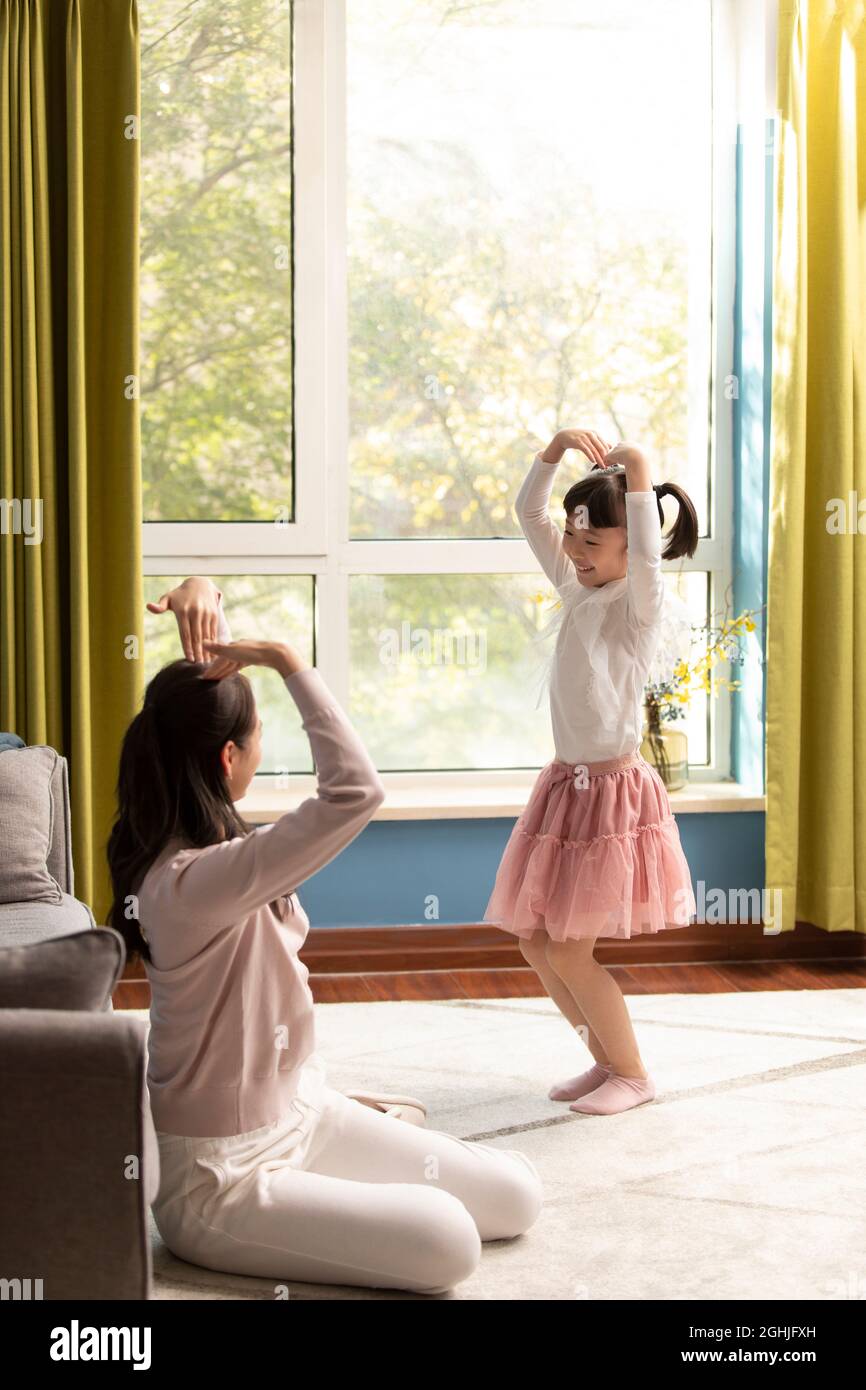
{"x":579,"y":1086}
{"x":615,"y":1095}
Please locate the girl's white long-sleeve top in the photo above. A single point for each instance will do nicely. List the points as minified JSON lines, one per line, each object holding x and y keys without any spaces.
{"x":606,"y":636}
{"x":232,"y":1038}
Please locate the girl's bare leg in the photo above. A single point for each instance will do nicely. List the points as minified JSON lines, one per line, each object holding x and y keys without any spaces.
{"x":599,"y":1000}
{"x":534,"y":951}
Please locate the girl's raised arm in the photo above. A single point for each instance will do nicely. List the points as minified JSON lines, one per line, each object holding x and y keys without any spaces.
{"x":646,"y":585}
{"x":533,"y":502}
{"x":545,"y":540}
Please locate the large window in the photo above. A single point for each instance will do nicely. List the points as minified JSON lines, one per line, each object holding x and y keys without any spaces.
{"x":388,"y":248}
{"x":216,"y":272}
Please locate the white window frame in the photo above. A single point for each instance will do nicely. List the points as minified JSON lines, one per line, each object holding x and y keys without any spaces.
{"x":318,"y":542}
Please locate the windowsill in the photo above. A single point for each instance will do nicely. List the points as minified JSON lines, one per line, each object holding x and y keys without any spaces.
{"x":472,"y":796}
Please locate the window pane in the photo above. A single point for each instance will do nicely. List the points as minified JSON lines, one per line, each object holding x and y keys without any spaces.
{"x":268,"y":607}
{"x":692,"y":587}
{"x":216,"y":260}
{"x":442,"y":672}
{"x":445,"y":670}
{"x":529,"y":222}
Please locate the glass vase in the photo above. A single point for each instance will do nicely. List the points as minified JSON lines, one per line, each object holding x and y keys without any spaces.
{"x":665,"y":748}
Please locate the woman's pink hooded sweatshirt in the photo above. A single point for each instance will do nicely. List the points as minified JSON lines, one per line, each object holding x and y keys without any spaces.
{"x":232,"y":1038}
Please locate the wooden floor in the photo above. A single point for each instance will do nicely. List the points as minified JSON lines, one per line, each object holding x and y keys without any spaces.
{"x":716,"y":978}
{"x":478,"y":960}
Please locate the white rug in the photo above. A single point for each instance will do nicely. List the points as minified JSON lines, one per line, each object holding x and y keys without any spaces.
{"x":744,"y":1179}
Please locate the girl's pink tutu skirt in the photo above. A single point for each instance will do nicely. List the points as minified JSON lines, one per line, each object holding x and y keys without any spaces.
{"x":596,"y":852}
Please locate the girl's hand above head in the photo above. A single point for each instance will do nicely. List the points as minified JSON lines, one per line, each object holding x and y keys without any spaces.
{"x":229,"y":657}
{"x":587,"y":441}
{"x":195,"y":604}
{"x":635,"y":465}
{"x":626,"y":454}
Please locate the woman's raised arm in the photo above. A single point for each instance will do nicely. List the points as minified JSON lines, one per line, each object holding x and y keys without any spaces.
{"x":222,"y":883}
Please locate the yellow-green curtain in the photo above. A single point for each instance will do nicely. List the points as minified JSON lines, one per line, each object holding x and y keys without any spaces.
{"x":71,"y":603}
{"x":816,"y":602}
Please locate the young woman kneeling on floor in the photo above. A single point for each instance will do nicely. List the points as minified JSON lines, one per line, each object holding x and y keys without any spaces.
{"x":265,"y":1169}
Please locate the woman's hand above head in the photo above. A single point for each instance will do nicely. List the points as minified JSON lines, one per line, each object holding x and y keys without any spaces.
{"x":195,"y":604}
{"x":587,"y":441}
{"x":229,"y":657}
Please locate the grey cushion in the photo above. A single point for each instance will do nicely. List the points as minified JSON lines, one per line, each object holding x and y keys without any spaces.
{"x":23,"y":923}
{"x":27,"y":825}
{"x":70,"y":972}
{"x":60,"y":853}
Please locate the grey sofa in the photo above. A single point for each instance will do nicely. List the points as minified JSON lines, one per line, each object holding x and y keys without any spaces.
{"x":21,"y":922}
{"x":79,"y":1160}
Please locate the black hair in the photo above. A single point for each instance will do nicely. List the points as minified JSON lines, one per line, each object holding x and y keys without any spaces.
{"x":603,"y":495}
{"x":171,"y":783}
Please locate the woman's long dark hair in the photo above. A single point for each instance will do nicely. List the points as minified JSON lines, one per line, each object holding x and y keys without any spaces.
{"x":603,"y":495}
{"x":171,"y":781}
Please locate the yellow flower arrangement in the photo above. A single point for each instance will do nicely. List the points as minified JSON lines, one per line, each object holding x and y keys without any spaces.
{"x":692,"y":679}
{"x":666,"y":703}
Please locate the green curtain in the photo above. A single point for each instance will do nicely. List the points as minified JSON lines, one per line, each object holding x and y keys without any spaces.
{"x":816,"y":601}
{"x":71,"y":606}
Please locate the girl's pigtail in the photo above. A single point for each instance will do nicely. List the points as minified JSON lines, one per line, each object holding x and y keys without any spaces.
{"x":683,"y":537}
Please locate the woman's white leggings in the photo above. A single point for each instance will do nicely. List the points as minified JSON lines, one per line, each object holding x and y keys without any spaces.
{"x":342,"y":1194}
